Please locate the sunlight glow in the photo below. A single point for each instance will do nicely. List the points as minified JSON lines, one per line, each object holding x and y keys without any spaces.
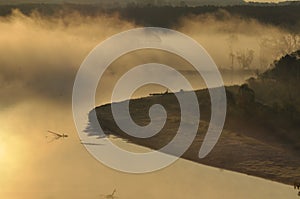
{"x":268,"y":1}
{"x":2,"y":151}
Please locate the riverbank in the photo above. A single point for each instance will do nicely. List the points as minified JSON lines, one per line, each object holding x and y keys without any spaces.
{"x":249,"y":143}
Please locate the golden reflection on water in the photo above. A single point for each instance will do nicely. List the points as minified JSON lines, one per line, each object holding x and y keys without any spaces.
{"x":31,"y":168}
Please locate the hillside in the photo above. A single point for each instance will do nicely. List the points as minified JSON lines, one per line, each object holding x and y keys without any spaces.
{"x":283,"y":15}
{"x":137,"y":2}
{"x":278,"y":86}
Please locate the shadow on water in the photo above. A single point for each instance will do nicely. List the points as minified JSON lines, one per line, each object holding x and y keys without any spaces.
{"x":91,"y":144}
{"x":93,"y":128}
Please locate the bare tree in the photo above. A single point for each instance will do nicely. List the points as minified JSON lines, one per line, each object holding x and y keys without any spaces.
{"x":245,"y":58}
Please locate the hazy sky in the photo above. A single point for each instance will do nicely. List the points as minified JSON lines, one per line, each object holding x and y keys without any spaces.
{"x":266,"y":0}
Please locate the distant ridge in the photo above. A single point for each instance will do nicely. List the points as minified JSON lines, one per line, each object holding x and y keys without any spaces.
{"x":124,"y":3}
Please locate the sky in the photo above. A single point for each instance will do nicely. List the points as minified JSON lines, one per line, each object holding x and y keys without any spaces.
{"x":274,"y":1}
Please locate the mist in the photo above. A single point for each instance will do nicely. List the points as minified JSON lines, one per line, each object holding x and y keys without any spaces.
{"x":224,"y":35}
{"x":39,"y":58}
{"x":40,"y":55}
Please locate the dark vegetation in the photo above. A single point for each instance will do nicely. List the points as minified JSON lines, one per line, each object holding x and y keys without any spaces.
{"x":278,"y":87}
{"x":286,"y":16}
{"x":259,"y":138}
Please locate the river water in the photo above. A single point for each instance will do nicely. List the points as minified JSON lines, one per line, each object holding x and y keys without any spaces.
{"x":32,"y":168}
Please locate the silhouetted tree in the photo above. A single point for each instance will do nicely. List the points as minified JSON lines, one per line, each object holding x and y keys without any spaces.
{"x":245,"y":58}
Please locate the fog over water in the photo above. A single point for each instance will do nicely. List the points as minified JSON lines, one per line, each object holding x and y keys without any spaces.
{"x":39,"y":57}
